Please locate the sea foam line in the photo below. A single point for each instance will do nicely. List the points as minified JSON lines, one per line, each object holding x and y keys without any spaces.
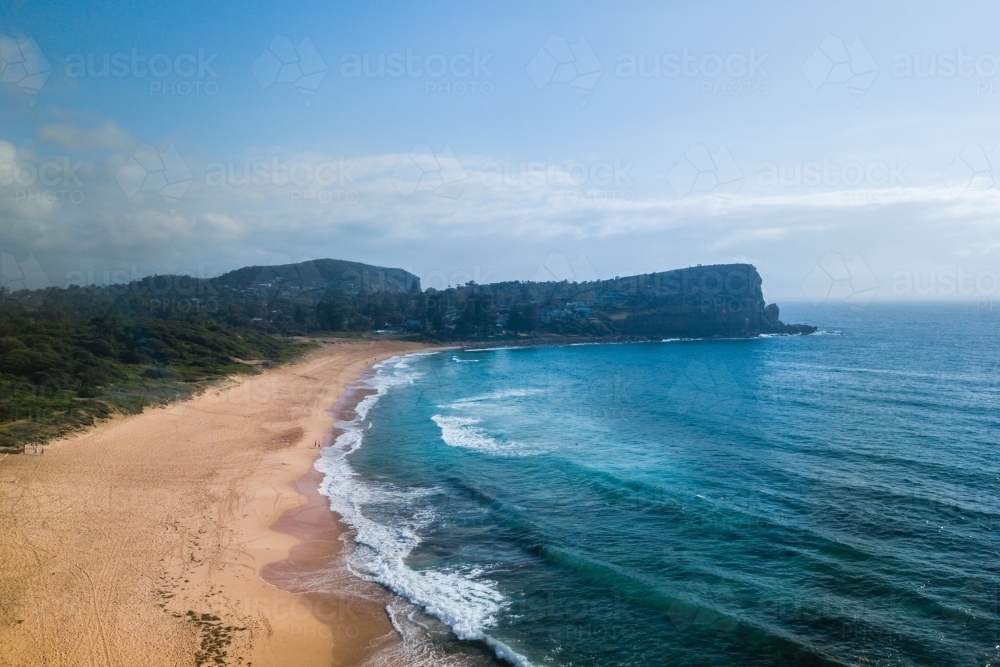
{"x":465,"y":433}
{"x":465,"y":361}
{"x":496,"y":396}
{"x":462,"y":600}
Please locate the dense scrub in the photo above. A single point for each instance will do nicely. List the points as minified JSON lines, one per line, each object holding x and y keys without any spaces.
{"x":62,"y":367}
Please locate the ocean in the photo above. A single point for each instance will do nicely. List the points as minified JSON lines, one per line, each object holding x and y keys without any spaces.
{"x":829,"y":499}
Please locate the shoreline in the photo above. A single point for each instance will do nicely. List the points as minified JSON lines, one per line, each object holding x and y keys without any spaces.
{"x":501,"y":343}
{"x":142,"y":540}
{"x":315,"y":569}
{"x":321,"y":561}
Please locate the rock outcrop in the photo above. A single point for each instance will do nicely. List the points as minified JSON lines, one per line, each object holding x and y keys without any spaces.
{"x":721,"y":300}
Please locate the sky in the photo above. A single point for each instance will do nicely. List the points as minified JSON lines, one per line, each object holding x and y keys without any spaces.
{"x":849,"y":152}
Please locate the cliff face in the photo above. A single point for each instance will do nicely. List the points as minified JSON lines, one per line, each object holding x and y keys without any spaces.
{"x":716,"y":300}
{"x":705,"y":301}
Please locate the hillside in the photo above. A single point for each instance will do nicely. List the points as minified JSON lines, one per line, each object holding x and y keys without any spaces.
{"x":70,"y":356}
{"x":316,"y":277}
{"x":697,"y":302}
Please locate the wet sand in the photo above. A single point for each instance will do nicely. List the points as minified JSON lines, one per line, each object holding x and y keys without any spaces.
{"x":315,"y":568}
{"x":141,"y":541}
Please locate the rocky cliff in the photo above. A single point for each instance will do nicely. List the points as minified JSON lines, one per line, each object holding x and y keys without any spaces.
{"x":721,"y":300}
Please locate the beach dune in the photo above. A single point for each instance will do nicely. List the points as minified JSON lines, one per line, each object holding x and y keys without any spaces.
{"x":141,"y":541}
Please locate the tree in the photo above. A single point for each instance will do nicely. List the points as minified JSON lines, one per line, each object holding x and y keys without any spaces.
{"x":522,"y":318}
{"x":328,"y":316}
{"x":436,"y":308}
{"x":477,"y":312}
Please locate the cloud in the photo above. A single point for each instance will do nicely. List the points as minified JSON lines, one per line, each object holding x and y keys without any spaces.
{"x":8,"y":153}
{"x":242,"y":209}
{"x":85,"y":140}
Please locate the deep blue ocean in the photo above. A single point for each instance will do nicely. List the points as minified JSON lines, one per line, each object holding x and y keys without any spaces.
{"x":790,"y":500}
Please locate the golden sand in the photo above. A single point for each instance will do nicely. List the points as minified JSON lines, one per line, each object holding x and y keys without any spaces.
{"x":140,"y":542}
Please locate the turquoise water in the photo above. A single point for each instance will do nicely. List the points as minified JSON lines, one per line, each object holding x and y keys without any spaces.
{"x":806,"y":500}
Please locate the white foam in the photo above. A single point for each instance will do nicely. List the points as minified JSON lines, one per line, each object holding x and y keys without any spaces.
{"x":417,"y":648}
{"x":495,"y":396}
{"x":465,"y":361}
{"x":505,"y":652}
{"x":464,"y":432}
{"x":463,"y":599}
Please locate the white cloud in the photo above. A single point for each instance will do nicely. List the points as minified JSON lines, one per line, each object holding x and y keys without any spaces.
{"x":83,"y":140}
{"x":354,"y":210}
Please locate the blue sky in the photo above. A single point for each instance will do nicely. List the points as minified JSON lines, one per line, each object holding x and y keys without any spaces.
{"x":848,"y":151}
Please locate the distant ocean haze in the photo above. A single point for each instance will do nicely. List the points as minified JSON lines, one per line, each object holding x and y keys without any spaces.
{"x":825,"y":499}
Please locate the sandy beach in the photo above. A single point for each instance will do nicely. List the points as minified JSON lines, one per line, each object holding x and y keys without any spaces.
{"x":141,"y":541}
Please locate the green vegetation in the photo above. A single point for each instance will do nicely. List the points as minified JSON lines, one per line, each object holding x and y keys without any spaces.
{"x":62,"y":367}
{"x":335,"y":296}
{"x":71,"y":356}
